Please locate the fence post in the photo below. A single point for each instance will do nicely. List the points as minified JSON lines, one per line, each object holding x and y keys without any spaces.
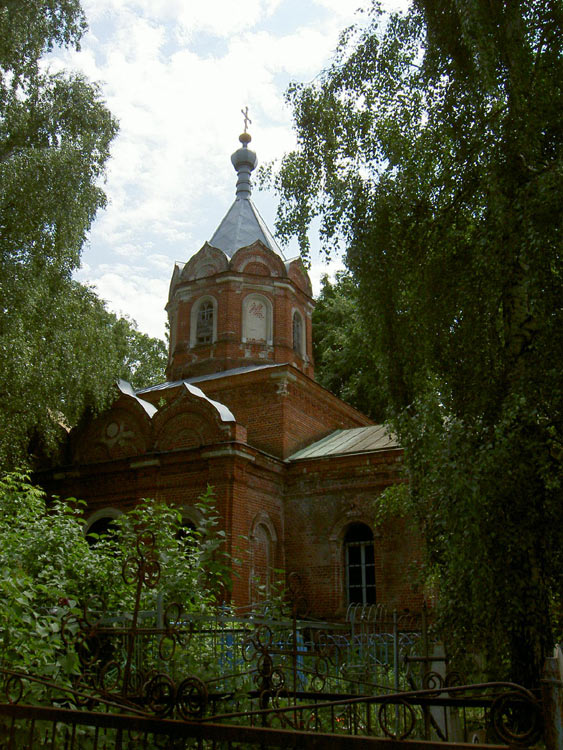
{"x":424,"y":666}
{"x":552,"y":700}
{"x":396,"y":649}
{"x":159,"y":612}
{"x":396,"y":665}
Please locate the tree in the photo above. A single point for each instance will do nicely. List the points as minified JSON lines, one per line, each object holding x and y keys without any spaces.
{"x":145,"y":359}
{"x":49,"y":571}
{"x":343,"y":362}
{"x":54,"y":142}
{"x":432,"y":148}
{"x":61,"y":351}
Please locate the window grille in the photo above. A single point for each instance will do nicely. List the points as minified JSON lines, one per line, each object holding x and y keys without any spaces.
{"x":204,"y":330}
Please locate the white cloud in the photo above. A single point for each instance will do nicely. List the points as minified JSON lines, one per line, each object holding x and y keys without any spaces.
{"x":177,"y":93}
{"x":223,"y":17}
{"x":162,"y":262}
{"x":136,"y":296}
{"x":127,"y":250}
{"x":320,"y":268}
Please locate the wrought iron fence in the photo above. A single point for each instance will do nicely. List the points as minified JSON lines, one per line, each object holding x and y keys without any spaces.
{"x":316,"y":722}
{"x":165,"y":679}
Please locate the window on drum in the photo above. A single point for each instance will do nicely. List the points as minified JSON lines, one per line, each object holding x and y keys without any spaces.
{"x":204,"y":332}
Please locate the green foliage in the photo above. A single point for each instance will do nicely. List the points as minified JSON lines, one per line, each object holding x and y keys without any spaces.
{"x":145,"y":358}
{"x":195,"y":566}
{"x":54,"y":369}
{"x":394,"y":502}
{"x":32,"y":28}
{"x":43,"y":559}
{"x":61,"y":351}
{"x":343,"y":360}
{"x":432,"y":149}
{"x":54,"y":142}
{"x":48,"y":570}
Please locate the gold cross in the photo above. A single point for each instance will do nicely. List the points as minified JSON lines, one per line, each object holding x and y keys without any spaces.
{"x":246,"y":118}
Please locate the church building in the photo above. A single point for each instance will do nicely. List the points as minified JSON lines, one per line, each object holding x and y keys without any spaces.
{"x":296,"y":472}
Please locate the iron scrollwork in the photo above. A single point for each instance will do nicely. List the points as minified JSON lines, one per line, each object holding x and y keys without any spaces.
{"x":107,"y":677}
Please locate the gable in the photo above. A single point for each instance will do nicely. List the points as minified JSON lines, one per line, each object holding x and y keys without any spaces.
{"x":257,"y":259}
{"x":133,"y":427}
{"x":122,"y":431}
{"x":191,"y":420}
{"x":209,"y":261}
{"x":297,"y":272}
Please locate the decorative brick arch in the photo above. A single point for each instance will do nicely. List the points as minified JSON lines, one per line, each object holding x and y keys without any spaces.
{"x":109,"y":513}
{"x":207,"y":262}
{"x":190,"y":420}
{"x":263,"y":541}
{"x":122,"y":431}
{"x":256,"y":268}
{"x":297,"y":272}
{"x":337,"y":538}
{"x":257,"y":253}
{"x":190,"y":514}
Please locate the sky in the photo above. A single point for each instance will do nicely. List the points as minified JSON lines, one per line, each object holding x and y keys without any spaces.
{"x":176,"y":74}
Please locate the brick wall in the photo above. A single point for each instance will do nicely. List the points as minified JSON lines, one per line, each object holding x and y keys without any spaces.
{"x":251,"y":270}
{"x":276,"y":514}
{"x":282,"y":409}
{"x":305,"y":506}
{"x":322,"y":499}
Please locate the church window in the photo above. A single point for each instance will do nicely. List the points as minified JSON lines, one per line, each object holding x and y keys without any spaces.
{"x":261,"y":547}
{"x":257,"y":319}
{"x":204,"y":322}
{"x":204,"y":333}
{"x":298,"y":338}
{"x":187,"y":534}
{"x":360,"y":564}
{"x":101,"y":523}
{"x":262,"y":539}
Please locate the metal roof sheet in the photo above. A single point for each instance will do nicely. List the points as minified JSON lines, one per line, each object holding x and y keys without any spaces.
{"x":203,"y":378}
{"x":126,"y":388}
{"x":242,"y":226}
{"x":345,"y":442}
{"x":225,"y":414}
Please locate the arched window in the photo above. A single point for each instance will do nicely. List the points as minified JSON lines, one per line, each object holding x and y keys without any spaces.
{"x":261,"y":552}
{"x":298,"y":334}
{"x":360,"y":564}
{"x":203,"y":329}
{"x":99,"y":524}
{"x":204,"y":332}
{"x":262,"y":539}
{"x":257,"y":319}
{"x":187,"y":533}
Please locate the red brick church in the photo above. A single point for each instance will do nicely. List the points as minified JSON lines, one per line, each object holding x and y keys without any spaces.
{"x":296,"y":471}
